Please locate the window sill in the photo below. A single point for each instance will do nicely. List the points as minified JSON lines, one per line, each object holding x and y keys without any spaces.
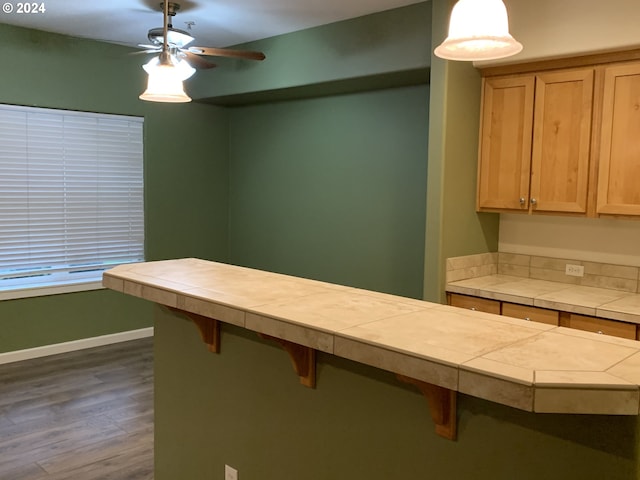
{"x":49,"y":289}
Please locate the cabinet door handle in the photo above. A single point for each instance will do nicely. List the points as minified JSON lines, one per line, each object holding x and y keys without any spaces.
{"x":473,"y":309}
{"x":523,"y":200}
{"x":600,"y":332}
{"x":534,"y":202}
{"x":527,"y":319}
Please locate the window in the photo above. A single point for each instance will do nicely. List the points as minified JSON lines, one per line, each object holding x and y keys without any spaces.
{"x":71,"y":198}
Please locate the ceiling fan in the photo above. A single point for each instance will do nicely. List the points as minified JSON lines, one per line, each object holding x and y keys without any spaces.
{"x":177,"y":42}
{"x":176,"y":61}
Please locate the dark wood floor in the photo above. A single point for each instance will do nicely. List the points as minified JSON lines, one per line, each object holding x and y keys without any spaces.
{"x":83,"y":415}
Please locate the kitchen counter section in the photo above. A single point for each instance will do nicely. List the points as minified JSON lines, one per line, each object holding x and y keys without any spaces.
{"x":530,"y":366}
{"x":597,"y":302}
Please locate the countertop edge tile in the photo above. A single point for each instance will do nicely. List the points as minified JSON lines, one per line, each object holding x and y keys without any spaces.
{"x":275,"y":327}
{"x":495,"y":389}
{"x":436,"y":362}
{"x":436,"y":373}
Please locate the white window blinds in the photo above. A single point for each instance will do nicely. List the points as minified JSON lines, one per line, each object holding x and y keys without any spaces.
{"x":71,"y":195}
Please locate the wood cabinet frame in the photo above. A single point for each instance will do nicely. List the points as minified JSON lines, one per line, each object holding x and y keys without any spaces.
{"x":599,"y":174}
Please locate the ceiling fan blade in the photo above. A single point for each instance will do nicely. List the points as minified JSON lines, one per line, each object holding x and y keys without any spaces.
{"x":226,"y":52}
{"x":196,"y":61}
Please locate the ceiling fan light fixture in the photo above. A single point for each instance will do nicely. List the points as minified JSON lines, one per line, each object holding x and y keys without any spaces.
{"x":175,"y":37}
{"x":478,"y":30}
{"x":165,"y":85}
{"x":183,"y":68}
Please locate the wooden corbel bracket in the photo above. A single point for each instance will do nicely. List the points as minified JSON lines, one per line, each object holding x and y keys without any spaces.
{"x":303,"y":359}
{"x":442,"y":405}
{"x":209,"y":328}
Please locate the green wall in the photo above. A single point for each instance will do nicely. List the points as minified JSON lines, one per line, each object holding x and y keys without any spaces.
{"x":363,"y":48}
{"x":453,"y":227}
{"x":246,"y":408}
{"x":333,"y":188}
{"x":186,"y":170}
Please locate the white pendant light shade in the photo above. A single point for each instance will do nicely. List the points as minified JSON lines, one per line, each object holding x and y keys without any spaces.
{"x":478,"y":30}
{"x":185,"y":70}
{"x":165,"y":84}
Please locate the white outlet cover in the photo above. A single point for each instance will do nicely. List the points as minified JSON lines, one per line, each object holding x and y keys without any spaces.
{"x":574,"y":270}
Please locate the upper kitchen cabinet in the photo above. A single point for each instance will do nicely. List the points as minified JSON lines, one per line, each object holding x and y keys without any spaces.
{"x":619,"y":160}
{"x":535,"y":138}
{"x":505,"y":143}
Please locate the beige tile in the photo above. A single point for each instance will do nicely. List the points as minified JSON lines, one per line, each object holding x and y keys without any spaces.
{"x":580,"y":379}
{"x":612,"y":283}
{"x":112,"y":283}
{"x":578,"y":299}
{"x":455,"y":263}
{"x":157,"y":295}
{"x":553,"y":276}
{"x":577,"y":400}
{"x":165,"y":283}
{"x":430,"y":333}
{"x":610,"y":339}
{"x":259,"y":291}
{"x":628,"y":369}
{"x":514,"y":270}
{"x":472,"y":266}
{"x":457,"y":275}
{"x":294,"y":333}
{"x":334,"y":311}
{"x":547,"y":263}
{"x":510,"y":373}
{"x":428,"y":371}
{"x":390,"y":298}
{"x":525,"y":290}
{"x":456,"y":287}
{"x":563,"y":306}
{"x":479,"y":286}
{"x":626,"y":309}
{"x":554,"y":351}
{"x":514,"y":259}
{"x":496,"y":390}
{"x":211,"y":309}
{"x":499,"y":319}
{"x":505,"y":297}
{"x":608,"y":270}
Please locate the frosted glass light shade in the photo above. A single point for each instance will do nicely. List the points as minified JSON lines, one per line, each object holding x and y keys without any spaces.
{"x":478,"y":30}
{"x":185,"y":70}
{"x":165,"y":85}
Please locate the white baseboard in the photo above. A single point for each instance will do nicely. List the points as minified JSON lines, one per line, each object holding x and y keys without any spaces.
{"x":74,"y":345}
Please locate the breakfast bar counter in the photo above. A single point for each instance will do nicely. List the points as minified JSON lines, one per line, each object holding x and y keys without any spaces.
{"x":529,"y":366}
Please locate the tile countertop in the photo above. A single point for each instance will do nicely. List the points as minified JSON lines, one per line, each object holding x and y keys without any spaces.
{"x":598,"y":302}
{"x":526,"y":365}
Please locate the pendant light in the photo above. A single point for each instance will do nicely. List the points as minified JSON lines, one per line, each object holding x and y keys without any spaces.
{"x":478,"y":30}
{"x":184,"y":70}
{"x":165,"y":78}
{"x":165,"y":82}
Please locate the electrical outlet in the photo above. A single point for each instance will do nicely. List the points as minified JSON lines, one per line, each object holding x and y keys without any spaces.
{"x":574,"y":270}
{"x":230,"y":473}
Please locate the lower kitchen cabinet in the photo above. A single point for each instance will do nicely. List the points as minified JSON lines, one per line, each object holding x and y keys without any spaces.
{"x":534,"y":314}
{"x":544,"y":315}
{"x":600,"y":325}
{"x":474,"y":303}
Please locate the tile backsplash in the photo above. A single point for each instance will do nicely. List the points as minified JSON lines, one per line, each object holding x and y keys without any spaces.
{"x":616,"y":277}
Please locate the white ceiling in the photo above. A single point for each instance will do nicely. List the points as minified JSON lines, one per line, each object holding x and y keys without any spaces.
{"x":217,"y":23}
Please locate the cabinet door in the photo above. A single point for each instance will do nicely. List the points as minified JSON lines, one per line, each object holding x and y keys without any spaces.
{"x":505,"y":143}
{"x":535,"y":314}
{"x":600,"y":325}
{"x":619,"y":167}
{"x":561,"y":141}
{"x":474,"y":303}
